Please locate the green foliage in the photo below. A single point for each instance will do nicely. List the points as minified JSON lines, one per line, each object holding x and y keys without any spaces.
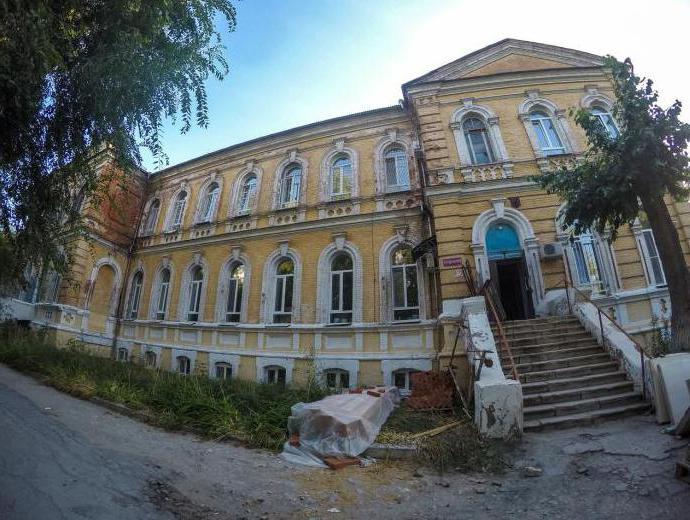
{"x":77,"y":75}
{"x":253,"y":413}
{"x":648,"y":157}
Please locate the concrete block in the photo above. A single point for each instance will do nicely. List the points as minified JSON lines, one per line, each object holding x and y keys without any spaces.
{"x":498,"y":408}
{"x":674,"y":372}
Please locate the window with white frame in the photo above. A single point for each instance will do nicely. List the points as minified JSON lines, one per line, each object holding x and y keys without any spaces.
{"x":152,"y":217}
{"x":405,"y":286}
{"x":403,"y":380}
{"x":184,"y":365}
{"x":397,"y":169}
{"x":284,"y":291}
{"x":150,"y":359}
{"x":195,"y":287}
{"x":122,"y":354}
{"x":247,"y":195}
{"x":652,"y":261}
{"x":588,"y":261}
{"x":207,"y":203}
{"x":290,"y":184}
{"x":341,"y":289}
{"x":337,"y":379}
{"x":341,"y":177}
{"x":545,"y":130}
{"x":233,"y":306}
{"x":177,"y":211}
{"x":135,"y":296}
{"x":478,"y":142}
{"x":223,"y":370}
{"x":606,"y":121}
{"x":274,"y":375}
{"x":163,"y":292}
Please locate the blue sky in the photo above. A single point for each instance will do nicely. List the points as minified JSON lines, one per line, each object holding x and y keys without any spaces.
{"x":294,"y":62}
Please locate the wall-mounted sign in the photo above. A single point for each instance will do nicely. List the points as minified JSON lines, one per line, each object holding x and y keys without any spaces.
{"x":454,"y":261}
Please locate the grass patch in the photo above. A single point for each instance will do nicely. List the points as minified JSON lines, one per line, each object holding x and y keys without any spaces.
{"x":251,"y":412}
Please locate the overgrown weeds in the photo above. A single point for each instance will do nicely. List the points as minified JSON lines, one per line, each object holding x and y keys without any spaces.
{"x":251,"y":412}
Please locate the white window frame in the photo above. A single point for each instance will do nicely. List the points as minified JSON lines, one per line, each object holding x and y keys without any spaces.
{"x":405,"y":268}
{"x":177,"y":210}
{"x":208,"y":202}
{"x":273,"y":372}
{"x":196,"y":287}
{"x":183,"y":365}
{"x":338,"y":374}
{"x":289,"y":196}
{"x":339,"y":173}
{"x":406,"y":389}
{"x":484,"y":132}
{"x":163,"y":295}
{"x":540,"y":121}
{"x":151,"y":222}
{"x":247,"y":194}
{"x":603,"y":115}
{"x":237,"y":301}
{"x":470,"y":110}
{"x":226,"y":368}
{"x":394,"y":139}
{"x":340,"y":275}
{"x":647,"y":237}
{"x":269,"y":284}
{"x":397,"y":155}
{"x":284,"y":279}
{"x":134,"y":300}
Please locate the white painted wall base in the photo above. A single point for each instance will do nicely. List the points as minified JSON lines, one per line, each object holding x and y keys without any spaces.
{"x":497,"y":400}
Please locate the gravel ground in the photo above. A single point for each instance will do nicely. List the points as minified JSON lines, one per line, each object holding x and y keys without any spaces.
{"x":67,"y":458}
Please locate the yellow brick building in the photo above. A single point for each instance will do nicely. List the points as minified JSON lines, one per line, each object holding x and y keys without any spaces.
{"x":294,"y":254}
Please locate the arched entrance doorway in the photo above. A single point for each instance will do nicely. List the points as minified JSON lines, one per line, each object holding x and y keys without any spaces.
{"x":508,"y":270}
{"x":101,"y":300}
{"x":506,"y":251}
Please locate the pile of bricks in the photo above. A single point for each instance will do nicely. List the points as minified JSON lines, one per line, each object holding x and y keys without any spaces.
{"x":431,"y":390}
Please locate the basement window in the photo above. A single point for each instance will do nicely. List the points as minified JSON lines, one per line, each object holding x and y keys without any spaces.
{"x":274,"y":375}
{"x":122,"y":354}
{"x":402,"y":379}
{"x":150,"y":359}
{"x":184,"y":365}
{"x":337,"y":379}
{"x":223,"y":370}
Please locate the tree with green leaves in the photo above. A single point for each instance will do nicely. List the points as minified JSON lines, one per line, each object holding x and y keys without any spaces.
{"x":631,"y":170}
{"x":77,"y":75}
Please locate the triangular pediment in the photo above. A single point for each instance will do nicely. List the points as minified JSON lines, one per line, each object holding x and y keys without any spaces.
{"x":509,"y":56}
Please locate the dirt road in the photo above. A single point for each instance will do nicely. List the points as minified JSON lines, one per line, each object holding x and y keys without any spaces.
{"x":63,"y":458}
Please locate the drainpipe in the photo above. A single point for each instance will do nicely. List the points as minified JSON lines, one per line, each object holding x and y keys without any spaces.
{"x":128,"y":265}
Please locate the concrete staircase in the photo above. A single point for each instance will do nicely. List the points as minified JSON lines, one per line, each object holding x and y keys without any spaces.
{"x":567,"y":378}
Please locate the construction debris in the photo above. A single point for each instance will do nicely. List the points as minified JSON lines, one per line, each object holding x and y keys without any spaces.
{"x":431,"y":391}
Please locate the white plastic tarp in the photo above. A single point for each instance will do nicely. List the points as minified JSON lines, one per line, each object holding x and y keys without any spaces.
{"x":343,"y":425}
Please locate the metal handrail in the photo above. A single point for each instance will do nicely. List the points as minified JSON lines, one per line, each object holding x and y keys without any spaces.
{"x":505,"y":347}
{"x":615,"y":324}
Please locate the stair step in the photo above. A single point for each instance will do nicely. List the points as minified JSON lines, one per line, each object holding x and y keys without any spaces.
{"x":546,"y":338}
{"x":545,"y":347}
{"x":580,"y":419}
{"x":539,"y":323}
{"x":553,"y":355}
{"x":580,"y":406}
{"x":521,"y":334}
{"x":577,"y":371}
{"x":570,"y":362}
{"x":557,"y":385}
{"x":581,"y":393}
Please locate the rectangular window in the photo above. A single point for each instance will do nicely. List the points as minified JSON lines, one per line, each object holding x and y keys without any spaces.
{"x":397,"y":173}
{"x":234,"y":301}
{"x":176,"y":220}
{"x":223,"y":371}
{"x":405,"y":293}
{"x":134,"y":305}
{"x":194,"y":300}
{"x":283,"y":299}
{"x":208,"y":206}
{"x":341,"y":297}
{"x":652,"y":261}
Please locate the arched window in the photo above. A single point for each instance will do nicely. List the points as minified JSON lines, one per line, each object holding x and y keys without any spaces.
{"x":195,"y":287}
{"x":150,"y":359}
{"x":207,"y":203}
{"x":290,"y":184}
{"x":402,"y":379}
{"x":223,"y":370}
{"x":274,"y":375}
{"x":478,"y":142}
{"x":502,"y":242}
{"x":341,"y":177}
{"x":606,"y":121}
{"x":235,"y":288}
{"x":397,"y":169}
{"x":135,"y":296}
{"x":152,"y":217}
{"x":589,"y":265}
{"x":247,"y":195}
{"x":405,"y":286}
{"x":337,"y":379}
{"x":341,"y":289}
{"x":282,"y":305}
{"x":163,"y":292}
{"x":184,"y":365}
{"x":122,"y":354}
{"x":177,"y":211}
{"x":547,"y":136}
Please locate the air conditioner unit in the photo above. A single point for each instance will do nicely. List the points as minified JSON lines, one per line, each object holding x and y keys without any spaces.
{"x":551,"y":251}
